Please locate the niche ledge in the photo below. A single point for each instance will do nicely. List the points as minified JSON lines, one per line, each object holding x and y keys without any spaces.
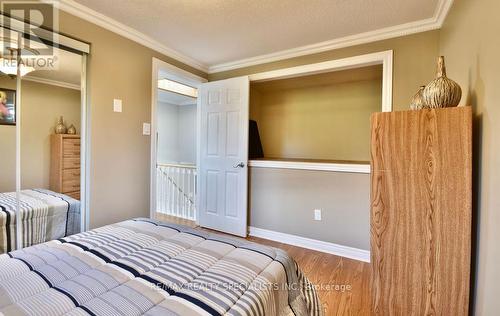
{"x":312,"y":164}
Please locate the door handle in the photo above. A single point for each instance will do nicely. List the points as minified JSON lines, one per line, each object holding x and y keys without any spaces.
{"x":240,"y":165}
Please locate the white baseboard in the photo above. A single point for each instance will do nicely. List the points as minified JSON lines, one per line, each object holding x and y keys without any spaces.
{"x":318,"y":245}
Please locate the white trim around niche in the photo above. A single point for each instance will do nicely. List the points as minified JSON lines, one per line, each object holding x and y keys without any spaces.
{"x":314,"y":166}
{"x":313,"y":244}
{"x":384,"y":58}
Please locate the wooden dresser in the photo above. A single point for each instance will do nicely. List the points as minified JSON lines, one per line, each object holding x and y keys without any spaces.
{"x":65,"y":164}
{"x":421,"y":208}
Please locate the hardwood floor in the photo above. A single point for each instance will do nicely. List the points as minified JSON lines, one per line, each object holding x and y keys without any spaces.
{"x":343,"y":284}
{"x":330,"y":273}
{"x":176,"y":220}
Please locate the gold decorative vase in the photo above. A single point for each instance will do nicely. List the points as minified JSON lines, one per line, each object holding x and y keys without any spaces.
{"x":60,"y":127}
{"x":72,"y":130}
{"x":442,"y":92}
{"x":417,"y":102}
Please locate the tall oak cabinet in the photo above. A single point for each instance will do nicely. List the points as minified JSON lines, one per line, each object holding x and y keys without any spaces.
{"x":421,"y":208}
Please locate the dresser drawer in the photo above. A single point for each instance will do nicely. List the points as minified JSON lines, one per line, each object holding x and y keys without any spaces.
{"x":75,"y":195}
{"x":71,"y":148}
{"x":71,"y":174}
{"x":71,"y":163}
{"x":70,"y":186}
{"x":71,"y":180}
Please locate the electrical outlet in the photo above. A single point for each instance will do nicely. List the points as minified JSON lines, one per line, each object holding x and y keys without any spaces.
{"x":117,"y":105}
{"x":317,"y":215}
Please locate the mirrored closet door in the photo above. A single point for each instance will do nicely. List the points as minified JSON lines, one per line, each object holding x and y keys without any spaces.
{"x":51,"y":149}
{"x":43,"y":151}
{"x":8,"y":121}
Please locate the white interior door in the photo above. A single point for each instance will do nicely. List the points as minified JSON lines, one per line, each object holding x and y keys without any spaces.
{"x":223,"y":155}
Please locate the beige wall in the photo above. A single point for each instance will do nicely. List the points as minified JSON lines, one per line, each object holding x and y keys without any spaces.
{"x":7,"y":147}
{"x":327,"y":121}
{"x":471,"y":45}
{"x":120,"y":154}
{"x":41,"y":106}
{"x":7,"y":158}
{"x":284,"y":201}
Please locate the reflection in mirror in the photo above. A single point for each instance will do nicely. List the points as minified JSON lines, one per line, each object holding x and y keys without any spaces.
{"x":50,"y":150}
{"x":8,"y":138}
{"x":7,"y":162}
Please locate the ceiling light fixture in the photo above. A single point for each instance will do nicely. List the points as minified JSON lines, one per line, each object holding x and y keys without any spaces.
{"x":9,"y":62}
{"x":9,"y":67}
{"x":177,"y":87}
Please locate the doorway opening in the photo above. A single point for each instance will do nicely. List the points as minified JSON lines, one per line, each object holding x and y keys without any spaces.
{"x":174,"y":146}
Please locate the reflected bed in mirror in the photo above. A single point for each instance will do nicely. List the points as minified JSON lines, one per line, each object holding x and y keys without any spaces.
{"x":45,"y":215}
{"x":49,"y":206}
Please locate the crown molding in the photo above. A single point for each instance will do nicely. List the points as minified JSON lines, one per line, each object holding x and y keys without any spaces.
{"x":433,"y":23}
{"x":51,"y":82}
{"x":112,"y":25}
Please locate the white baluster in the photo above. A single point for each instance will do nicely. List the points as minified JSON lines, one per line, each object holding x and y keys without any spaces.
{"x":188,"y":193}
{"x":170,"y":192}
{"x":176,"y":191}
{"x":176,"y":183}
{"x":163,"y":190}
{"x":164,"y":194}
{"x":195,"y":190}
{"x":183,"y":193}
{"x":159,"y":191}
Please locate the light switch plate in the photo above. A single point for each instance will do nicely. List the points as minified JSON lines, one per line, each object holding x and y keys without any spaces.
{"x":317,"y":215}
{"x":117,"y":105}
{"x":146,"y":129}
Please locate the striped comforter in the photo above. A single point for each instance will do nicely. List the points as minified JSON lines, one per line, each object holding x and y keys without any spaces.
{"x":145,"y":267}
{"x":44,"y":215}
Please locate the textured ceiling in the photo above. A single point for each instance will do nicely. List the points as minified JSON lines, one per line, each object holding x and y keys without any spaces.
{"x":221,"y":31}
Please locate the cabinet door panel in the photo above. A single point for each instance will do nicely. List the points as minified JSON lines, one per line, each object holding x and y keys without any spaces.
{"x":421,"y":211}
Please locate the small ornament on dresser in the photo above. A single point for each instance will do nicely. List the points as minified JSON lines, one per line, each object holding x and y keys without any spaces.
{"x":417,"y":102}
{"x":72,"y":130}
{"x":442,"y":92}
{"x":60,"y":127}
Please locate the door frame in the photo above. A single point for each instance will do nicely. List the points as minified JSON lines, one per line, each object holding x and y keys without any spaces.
{"x":182,"y":76}
{"x":85,"y":144}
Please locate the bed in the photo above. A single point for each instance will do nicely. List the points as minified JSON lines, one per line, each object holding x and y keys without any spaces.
{"x":44,"y":216}
{"x":146,"y":267}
